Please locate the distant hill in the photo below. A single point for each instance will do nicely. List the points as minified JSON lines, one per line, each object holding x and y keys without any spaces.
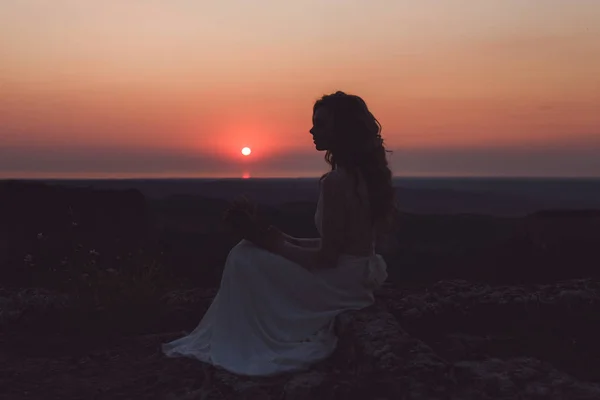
{"x":441,"y":234}
{"x":502,"y":197}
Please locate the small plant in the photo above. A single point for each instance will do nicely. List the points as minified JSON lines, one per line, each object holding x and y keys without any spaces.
{"x":139,"y":282}
{"x":92,"y":275}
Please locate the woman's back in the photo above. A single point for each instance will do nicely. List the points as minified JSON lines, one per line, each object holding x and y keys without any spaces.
{"x":358,"y":235}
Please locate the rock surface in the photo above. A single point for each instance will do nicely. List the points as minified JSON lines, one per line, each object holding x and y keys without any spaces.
{"x":451,"y":340}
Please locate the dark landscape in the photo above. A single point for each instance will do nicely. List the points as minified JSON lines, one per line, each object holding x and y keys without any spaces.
{"x":494,"y":291}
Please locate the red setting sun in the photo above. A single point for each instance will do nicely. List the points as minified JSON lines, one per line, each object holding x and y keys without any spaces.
{"x":246,"y":151}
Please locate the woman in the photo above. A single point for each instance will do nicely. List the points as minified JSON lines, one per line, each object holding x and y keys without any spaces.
{"x":279,"y":295}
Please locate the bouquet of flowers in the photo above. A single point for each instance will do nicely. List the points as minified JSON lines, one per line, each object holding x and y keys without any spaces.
{"x":243,"y":219}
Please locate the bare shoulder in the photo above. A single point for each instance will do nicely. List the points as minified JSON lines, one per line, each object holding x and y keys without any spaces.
{"x":336,"y":186}
{"x":338,"y":179}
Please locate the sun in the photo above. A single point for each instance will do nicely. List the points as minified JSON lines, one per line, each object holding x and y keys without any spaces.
{"x":246,"y":151}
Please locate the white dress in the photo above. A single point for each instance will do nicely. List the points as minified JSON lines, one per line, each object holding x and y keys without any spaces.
{"x":271,"y":315}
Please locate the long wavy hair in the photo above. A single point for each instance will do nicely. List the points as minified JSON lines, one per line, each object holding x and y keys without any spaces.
{"x":358,"y":147}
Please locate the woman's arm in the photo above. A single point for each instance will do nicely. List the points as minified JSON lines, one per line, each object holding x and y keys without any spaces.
{"x":303,"y":242}
{"x":309,"y":258}
{"x":327,"y":249}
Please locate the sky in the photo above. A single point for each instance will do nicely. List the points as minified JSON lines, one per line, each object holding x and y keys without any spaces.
{"x":176,"y":88}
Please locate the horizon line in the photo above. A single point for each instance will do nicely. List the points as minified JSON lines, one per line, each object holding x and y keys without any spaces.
{"x":138,"y":178}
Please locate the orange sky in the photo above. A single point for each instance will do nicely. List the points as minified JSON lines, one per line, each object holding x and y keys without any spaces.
{"x":177,"y":88}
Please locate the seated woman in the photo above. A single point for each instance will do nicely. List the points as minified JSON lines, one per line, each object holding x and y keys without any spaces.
{"x":279,"y":295}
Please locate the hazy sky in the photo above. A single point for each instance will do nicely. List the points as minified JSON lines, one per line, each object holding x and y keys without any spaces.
{"x":178,"y":87}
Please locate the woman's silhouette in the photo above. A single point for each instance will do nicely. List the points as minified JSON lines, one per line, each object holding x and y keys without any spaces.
{"x":279,"y":295}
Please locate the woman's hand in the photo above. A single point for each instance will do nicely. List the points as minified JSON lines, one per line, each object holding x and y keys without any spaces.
{"x":270,"y":239}
{"x":278,"y":232}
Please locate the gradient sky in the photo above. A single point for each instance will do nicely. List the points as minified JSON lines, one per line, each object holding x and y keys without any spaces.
{"x":178,"y":87}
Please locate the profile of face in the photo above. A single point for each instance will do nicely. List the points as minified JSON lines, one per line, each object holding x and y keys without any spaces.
{"x":322,"y":129}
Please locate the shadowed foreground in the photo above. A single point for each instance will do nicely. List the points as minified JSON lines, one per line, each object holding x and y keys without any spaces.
{"x":477,"y":307}
{"x":455,"y":338}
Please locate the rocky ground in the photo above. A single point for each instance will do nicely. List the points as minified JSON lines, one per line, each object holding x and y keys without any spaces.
{"x":449,"y":340}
